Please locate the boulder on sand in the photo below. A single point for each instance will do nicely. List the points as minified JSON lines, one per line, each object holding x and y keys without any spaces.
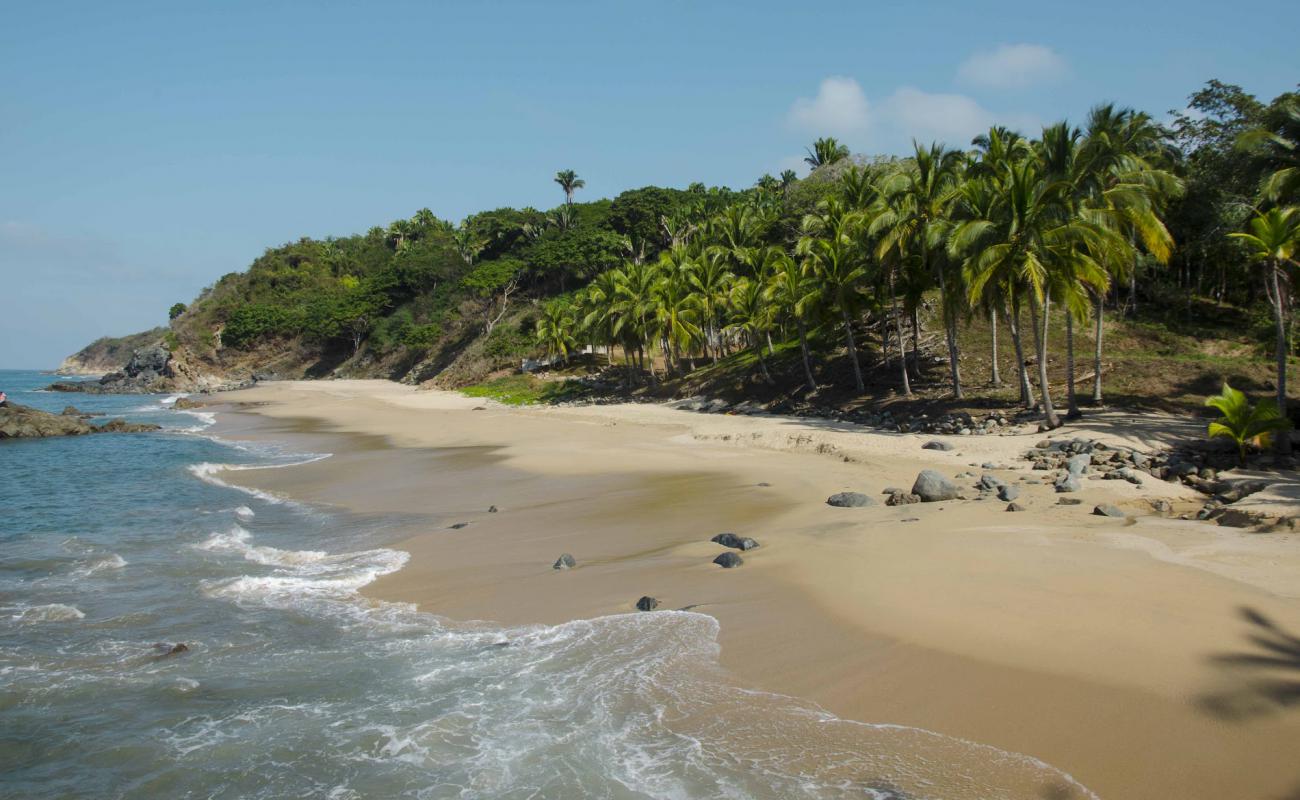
{"x":647,"y":603}
{"x":1107,"y":510}
{"x":1008,"y":492}
{"x":728,"y":560}
{"x":732,"y":540}
{"x":565,"y":561}
{"x":932,"y":487}
{"x":937,"y":445}
{"x":849,"y":500}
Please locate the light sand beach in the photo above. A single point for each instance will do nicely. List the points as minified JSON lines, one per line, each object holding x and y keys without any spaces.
{"x":1089,"y":642}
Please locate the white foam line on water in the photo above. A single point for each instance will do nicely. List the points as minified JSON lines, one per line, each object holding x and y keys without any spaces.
{"x":50,"y":612}
{"x":206,"y":471}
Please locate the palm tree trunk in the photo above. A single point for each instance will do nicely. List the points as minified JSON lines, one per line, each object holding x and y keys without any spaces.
{"x":1096,"y":355}
{"x":1040,"y":344}
{"x":771,"y":351}
{"x":1013,"y":325}
{"x":948,"y":324}
{"x":996,"y":377}
{"x":1072,"y":402}
{"x":1283,"y":438}
{"x":762,"y":363}
{"x":807,"y":363}
{"x":898,"y":330}
{"x":853,"y":351}
{"x":916,"y":344}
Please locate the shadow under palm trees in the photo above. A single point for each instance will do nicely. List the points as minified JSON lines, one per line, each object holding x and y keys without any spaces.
{"x":1268,"y":673}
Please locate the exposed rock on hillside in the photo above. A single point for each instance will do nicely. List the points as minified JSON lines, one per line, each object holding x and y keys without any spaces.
{"x":108,"y":354}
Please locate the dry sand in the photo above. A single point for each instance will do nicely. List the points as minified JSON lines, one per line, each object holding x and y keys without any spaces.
{"x":1085,"y":641}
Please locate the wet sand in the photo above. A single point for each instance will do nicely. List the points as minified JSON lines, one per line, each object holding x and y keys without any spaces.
{"x":1084,"y":641}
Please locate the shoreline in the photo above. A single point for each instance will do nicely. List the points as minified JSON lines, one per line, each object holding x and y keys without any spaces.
{"x":1078,"y":640}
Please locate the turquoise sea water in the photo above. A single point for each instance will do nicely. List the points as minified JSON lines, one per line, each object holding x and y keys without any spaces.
{"x":294,"y":686}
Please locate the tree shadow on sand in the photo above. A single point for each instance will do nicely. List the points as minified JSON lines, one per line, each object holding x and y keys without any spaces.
{"x":1267,"y":675}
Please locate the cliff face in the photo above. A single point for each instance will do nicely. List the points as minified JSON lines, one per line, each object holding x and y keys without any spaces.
{"x":108,"y":354}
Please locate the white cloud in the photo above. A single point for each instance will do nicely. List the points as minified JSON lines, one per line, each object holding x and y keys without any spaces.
{"x":839,"y":109}
{"x":953,"y":119}
{"x":1012,"y":66}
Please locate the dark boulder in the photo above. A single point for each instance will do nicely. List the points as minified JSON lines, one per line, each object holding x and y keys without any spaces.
{"x":734,"y":541}
{"x":565,"y":561}
{"x":1107,"y":510}
{"x":937,"y":445}
{"x":849,"y":500}
{"x":1008,"y":492}
{"x":901,"y":498}
{"x":1068,"y":501}
{"x":647,"y":603}
{"x":1015,"y":507}
{"x":728,"y":560}
{"x":932,"y":487}
{"x":458,"y":525}
{"x":122,"y":426}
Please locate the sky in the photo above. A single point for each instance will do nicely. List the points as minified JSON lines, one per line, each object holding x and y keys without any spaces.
{"x":146,"y":149}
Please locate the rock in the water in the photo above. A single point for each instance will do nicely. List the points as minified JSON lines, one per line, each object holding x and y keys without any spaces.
{"x":458,"y":525}
{"x":164,"y":649}
{"x":1008,"y":492}
{"x":183,"y":403}
{"x":937,"y":445}
{"x":1107,"y":510}
{"x":25,"y":422}
{"x":728,"y":560}
{"x":1015,"y":507}
{"x":1068,"y":501}
{"x":849,"y":500}
{"x":647,"y":603}
{"x":932,"y":487}
{"x":71,"y":411}
{"x":565,"y":561}
{"x":732,"y":540}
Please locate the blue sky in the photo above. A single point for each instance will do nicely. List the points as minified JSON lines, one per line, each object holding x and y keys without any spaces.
{"x":148,"y":148}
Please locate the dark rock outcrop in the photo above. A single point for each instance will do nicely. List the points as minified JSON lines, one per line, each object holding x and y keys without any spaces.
{"x":728,"y":560}
{"x":734,"y":541}
{"x":849,"y":500}
{"x":565,"y":561}
{"x":25,"y":422}
{"x":932,"y":487}
{"x":647,"y":603}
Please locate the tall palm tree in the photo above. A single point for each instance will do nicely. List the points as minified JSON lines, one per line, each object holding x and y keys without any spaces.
{"x":1273,"y":241}
{"x":710,"y":279}
{"x":751,"y":315}
{"x":1032,"y":239}
{"x":832,"y":258}
{"x":795,"y":292}
{"x":570,"y":183}
{"x":555,"y":329}
{"x":915,"y":222}
{"x":826,"y":151}
{"x":788,"y":178}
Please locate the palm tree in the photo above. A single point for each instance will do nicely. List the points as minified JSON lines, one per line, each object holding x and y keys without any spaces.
{"x":1273,"y":240}
{"x":570,"y":183}
{"x":751,"y":315}
{"x":795,"y":292}
{"x":826,"y":151}
{"x":837,"y":264}
{"x":915,"y":222}
{"x":788,"y":177}
{"x":767,"y":184}
{"x":467,"y":245}
{"x":1031,"y":239}
{"x":710,"y":279}
{"x":1244,"y":423}
{"x":555,"y":329}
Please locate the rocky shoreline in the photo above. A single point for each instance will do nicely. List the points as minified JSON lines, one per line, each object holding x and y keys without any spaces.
{"x":153,"y":370}
{"x":25,"y":422}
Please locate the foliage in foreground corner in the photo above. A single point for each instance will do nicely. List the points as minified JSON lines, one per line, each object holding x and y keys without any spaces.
{"x":1243,"y":422}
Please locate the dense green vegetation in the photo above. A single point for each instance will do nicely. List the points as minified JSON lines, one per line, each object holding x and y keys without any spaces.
{"x":850,"y":263}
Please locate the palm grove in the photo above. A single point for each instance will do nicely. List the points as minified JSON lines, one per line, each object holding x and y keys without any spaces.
{"x":838,"y":267}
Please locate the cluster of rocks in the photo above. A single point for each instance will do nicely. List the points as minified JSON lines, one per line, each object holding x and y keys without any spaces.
{"x":726,"y":560}
{"x":148,"y":371}
{"x":25,"y":422}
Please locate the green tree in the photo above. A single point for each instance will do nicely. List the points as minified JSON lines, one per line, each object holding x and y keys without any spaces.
{"x":555,"y":329}
{"x":826,"y":151}
{"x":796,"y":293}
{"x":1245,"y":424}
{"x":1272,"y":241}
{"x":570,"y":183}
{"x":176,"y":310}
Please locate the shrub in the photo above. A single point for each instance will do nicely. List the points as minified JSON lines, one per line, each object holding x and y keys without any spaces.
{"x":1242,"y":422}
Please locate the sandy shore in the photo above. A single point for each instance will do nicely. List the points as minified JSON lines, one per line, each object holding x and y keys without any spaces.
{"x":1088,"y":642}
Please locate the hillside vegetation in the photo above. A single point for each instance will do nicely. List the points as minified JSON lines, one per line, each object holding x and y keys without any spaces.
{"x":871,"y":281}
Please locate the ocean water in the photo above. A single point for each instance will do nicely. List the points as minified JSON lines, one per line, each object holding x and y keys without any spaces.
{"x":294,"y":686}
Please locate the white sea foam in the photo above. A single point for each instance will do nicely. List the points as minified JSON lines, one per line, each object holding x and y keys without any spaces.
{"x":206,"y":471}
{"x":244,"y":513}
{"x":111,"y":561}
{"x":51,"y":612}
